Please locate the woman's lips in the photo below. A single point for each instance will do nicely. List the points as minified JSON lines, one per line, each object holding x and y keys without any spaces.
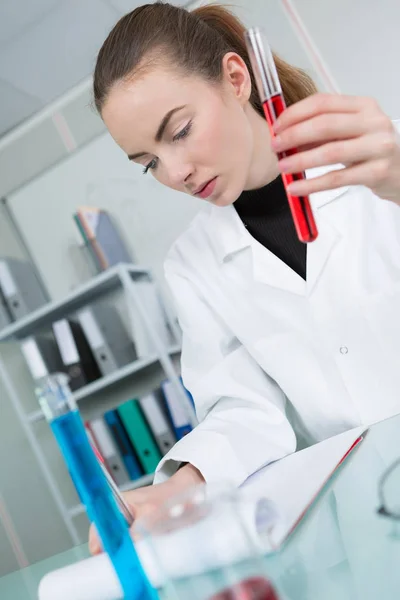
{"x":208,"y":189}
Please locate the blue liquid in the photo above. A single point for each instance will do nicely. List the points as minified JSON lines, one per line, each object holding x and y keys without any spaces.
{"x":101,"y":506}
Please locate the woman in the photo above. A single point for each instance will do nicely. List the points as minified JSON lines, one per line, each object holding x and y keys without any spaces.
{"x":278,"y":337}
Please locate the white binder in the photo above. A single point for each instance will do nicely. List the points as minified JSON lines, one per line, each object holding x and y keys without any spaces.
{"x":151,"y":406}
{"x":41,"y":356}
{"x":20,"y":287}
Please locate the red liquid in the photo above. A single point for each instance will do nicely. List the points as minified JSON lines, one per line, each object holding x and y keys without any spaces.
{"x":251,"y":589}
{"x":299,"y":205}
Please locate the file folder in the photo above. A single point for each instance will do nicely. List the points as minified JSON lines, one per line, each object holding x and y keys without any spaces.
{"x":154,"y":411}
{"x":89,"y":246}
{"x":78,"y":360}
{"x":42,"y":356}
{"x":107,"y":242}
{"x":20,"y":287}
{"x":109,"y":451}
{"x":140,"y":435}
{"x":122,"y":440}
{"x":107,"y":337}
{"x":178,"y":414}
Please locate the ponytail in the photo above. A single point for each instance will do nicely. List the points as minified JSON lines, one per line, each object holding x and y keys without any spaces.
{"x":195,"y":41}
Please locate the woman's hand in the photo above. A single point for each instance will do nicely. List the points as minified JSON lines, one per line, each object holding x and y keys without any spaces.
{"x":330,"y":128}
{"x":144,"y":500}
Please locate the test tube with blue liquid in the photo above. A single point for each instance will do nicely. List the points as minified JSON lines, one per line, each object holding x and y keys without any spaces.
{"x":62,"y":414}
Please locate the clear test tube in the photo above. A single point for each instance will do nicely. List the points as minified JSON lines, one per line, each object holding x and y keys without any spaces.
{"x":273,"y":102}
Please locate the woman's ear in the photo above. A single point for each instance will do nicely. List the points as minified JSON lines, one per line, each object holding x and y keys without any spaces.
{"x":237,"y":76}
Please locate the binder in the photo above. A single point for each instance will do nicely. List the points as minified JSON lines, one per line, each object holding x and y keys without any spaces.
{"x":5,"y":317}
{"x":151,"y":300}
{"x":89,"y":245}
{"x":176,"y":410}
{"x":107,"y":337}
{"x":189,"y":395}
{"x":20,"y":287}
{"x":78,"y":361}
{"x":101,"y":230}
{"x":154,"y":411}
{"x":140,"y":435}
{"x":109,"y":451}
{"x":42,"y":356}
{"x":121,"y":438}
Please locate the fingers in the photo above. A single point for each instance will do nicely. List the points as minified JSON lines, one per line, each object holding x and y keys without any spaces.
{"x":344,"y":151}
{"x":319,"y":104}
{"x":367,"y":173}
{"x":319,"y":129}
{"x":94,"y":541}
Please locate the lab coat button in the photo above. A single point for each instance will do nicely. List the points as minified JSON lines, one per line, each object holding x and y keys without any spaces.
{"x":344,"y":350}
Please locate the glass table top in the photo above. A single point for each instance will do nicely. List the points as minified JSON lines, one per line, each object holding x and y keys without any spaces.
{"x":341,"y":549}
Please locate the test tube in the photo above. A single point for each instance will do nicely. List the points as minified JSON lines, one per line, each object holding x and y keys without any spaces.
{"x":273,"y":102}
{"x":61,"y":412}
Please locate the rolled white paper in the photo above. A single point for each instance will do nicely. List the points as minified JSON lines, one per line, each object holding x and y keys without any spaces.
{"x":95,"y":578}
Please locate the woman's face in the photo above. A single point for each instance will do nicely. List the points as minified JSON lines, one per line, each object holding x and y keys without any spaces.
{"x":191,"y":135}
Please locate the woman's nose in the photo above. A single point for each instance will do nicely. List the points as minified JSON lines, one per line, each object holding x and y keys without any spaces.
{"x":179,"y":174}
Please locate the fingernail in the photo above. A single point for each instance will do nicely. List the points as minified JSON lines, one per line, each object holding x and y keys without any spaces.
{"x":293,"y":189}
{"x":283,"y":165}
{"x":276,"y":142}
{"x":276,"y":126}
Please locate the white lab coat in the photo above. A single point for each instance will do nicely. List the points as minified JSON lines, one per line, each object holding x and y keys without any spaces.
{"x":265,"y":353}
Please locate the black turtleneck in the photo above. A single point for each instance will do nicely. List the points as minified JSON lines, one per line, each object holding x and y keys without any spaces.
{"x":266,"y":214}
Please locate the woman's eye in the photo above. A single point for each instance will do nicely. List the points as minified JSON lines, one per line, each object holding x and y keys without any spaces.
{"x":183,"y":133}
{"x":151,"y":165}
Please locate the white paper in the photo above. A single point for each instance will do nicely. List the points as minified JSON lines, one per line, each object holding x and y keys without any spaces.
{"x":294,"y":482}
{"x":90,"y":579}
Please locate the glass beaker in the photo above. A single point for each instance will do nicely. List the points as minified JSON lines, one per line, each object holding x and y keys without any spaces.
{"x":200,"y":543}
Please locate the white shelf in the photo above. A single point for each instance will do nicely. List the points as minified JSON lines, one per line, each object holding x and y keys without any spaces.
{"x":132,"y":485}
{"x":104,"y":382}
{"x":141,"y":373}
{"x":84,"y":294}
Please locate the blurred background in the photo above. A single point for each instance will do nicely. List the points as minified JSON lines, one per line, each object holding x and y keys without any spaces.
{"x":55,"y":157}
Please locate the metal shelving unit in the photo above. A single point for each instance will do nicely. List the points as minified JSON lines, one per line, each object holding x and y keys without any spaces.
{"x":160,"y":363}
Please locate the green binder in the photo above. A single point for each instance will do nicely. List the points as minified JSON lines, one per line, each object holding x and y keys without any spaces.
{"x":140,"y":435}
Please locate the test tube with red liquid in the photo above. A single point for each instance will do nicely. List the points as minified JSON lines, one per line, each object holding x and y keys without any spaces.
{"x":270,"y":91}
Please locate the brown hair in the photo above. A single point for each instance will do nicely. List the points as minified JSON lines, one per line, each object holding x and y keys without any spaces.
{"x":195,"y":41}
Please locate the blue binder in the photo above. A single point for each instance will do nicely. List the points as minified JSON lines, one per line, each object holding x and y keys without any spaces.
{"x":117,"y":429}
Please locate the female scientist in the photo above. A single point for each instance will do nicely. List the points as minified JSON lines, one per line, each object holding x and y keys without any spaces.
{"x":282,"y":341}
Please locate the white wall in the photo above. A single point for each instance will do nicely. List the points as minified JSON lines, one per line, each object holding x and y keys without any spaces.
{"x":150,"y":216}
{"x":360,"y":41}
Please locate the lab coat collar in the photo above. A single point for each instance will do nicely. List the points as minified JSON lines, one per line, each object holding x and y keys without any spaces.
{"x":228,"y":235}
